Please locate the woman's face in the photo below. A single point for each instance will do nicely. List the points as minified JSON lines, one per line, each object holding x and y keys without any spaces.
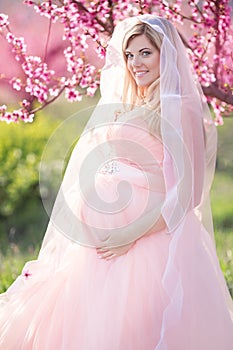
{"x":143,"y":60}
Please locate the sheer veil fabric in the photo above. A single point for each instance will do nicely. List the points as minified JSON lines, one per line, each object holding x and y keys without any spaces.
{"x":189,"y":137}
{"x":170,"y":174}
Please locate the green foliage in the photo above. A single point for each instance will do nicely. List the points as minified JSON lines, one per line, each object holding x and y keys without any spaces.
{"x":225,"y":154}
{"x":22,"y":216}
{"x":222,"y":209}
{"x":224,"y":242}
{"x":12,"y":262}
{"x":21,"y":147}
{"x":221,"y":201}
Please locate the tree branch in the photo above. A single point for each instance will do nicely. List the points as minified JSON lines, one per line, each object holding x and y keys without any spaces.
{"x":110,"y":20}
{"x":108,"y":26}
{"x":214,"y":91}
{"x":48,"y":102}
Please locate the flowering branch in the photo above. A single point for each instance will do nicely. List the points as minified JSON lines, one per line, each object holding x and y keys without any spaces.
{"x":88,"y":24}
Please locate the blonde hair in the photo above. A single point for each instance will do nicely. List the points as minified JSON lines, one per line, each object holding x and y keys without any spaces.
{"x":131,"y":92}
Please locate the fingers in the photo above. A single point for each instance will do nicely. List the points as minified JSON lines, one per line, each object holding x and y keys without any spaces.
{"x":106,"y":256}
{"x":105,"y":253}
{"x":102,"y":249}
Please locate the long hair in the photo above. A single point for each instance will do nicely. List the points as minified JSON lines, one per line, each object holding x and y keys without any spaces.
{"x":131,"y":92}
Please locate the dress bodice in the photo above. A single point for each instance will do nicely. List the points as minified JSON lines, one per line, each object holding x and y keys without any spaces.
{"x":135,"y":142}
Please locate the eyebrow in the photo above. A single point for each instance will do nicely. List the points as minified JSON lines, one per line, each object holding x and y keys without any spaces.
{"x":144,"y":48}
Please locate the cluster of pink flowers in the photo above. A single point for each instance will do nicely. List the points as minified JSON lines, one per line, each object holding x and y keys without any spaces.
{"x":37,"y":75}
{"x":209,"y":46}
{"x":40,"y":84}
{"x":16,"y":115}
{"x":37,"y":78}
{"x":86,"y":22}
{"x":210,"y":50}
{"x":3,"y":21}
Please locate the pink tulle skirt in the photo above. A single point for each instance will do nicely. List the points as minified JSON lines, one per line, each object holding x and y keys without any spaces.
{"x":164,"y":294}
{"x":87,"y":303}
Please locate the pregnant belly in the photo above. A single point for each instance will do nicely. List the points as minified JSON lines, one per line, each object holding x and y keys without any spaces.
{"x":120,"y":198}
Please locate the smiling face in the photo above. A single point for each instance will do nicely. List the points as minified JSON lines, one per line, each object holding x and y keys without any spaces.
{"x":143,"y":61}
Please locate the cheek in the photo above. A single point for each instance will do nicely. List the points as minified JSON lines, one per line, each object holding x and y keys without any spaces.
{"x":129,"y":66}
{"x":155,"y":63}
{"x":130,"y":69}
{"x":155,"y":67}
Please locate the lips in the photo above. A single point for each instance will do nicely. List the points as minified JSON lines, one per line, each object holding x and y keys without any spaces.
{"x":140,"y":73}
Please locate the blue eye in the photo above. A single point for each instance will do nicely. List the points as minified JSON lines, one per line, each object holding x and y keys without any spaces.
{"x":128,"y":55}
{"x":146,"y":53}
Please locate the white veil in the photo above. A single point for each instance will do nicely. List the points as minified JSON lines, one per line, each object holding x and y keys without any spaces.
{"x":184,"y":116}
{"x":187,"y":132}
{"x":190,"y":143}
{"x":189,"y":140}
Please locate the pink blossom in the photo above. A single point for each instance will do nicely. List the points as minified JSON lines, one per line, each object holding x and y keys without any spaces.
{"x":3,"y":20}
{"x":16,"y":83}
{"x":28,"y":2}
{"x":54,"y":91}
{"x":101,"y":51}
{"x":72,"y":95}
{"x":26,"y":274}
{"x":25,"y":103}
{"x":8,"y":118}
{"x":16,"y":115}
{"x":91,"y":90}
{"x":27,"y":117}
{"x":3,"y":108}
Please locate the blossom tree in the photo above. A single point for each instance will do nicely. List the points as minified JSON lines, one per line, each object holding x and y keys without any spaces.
{"x":205,"y":28}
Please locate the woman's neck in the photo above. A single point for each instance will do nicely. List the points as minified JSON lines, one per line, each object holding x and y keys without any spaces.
{"x":151,"y":93}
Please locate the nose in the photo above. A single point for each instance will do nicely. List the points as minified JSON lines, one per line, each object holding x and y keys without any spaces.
{"x":136,"y":61}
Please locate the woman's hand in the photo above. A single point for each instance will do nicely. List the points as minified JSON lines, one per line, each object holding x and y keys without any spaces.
{"x":110,"y":253}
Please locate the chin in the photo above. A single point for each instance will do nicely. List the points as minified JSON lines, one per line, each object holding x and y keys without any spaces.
{"x":142,"y":85}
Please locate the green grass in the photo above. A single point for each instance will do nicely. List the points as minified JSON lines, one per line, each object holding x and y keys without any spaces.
{"x":222,"y":209}
{"x":11,"y":263}
{"x":224,"y":243}
{"x":222,"y":201}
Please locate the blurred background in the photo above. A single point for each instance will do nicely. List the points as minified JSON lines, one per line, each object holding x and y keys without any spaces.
{"x":23,"y":219}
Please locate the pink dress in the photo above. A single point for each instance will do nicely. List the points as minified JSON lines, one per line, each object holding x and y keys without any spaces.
{"x":70,"y":299}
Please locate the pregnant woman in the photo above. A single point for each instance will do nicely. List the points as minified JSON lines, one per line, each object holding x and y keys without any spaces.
{"x":128,"y":261}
